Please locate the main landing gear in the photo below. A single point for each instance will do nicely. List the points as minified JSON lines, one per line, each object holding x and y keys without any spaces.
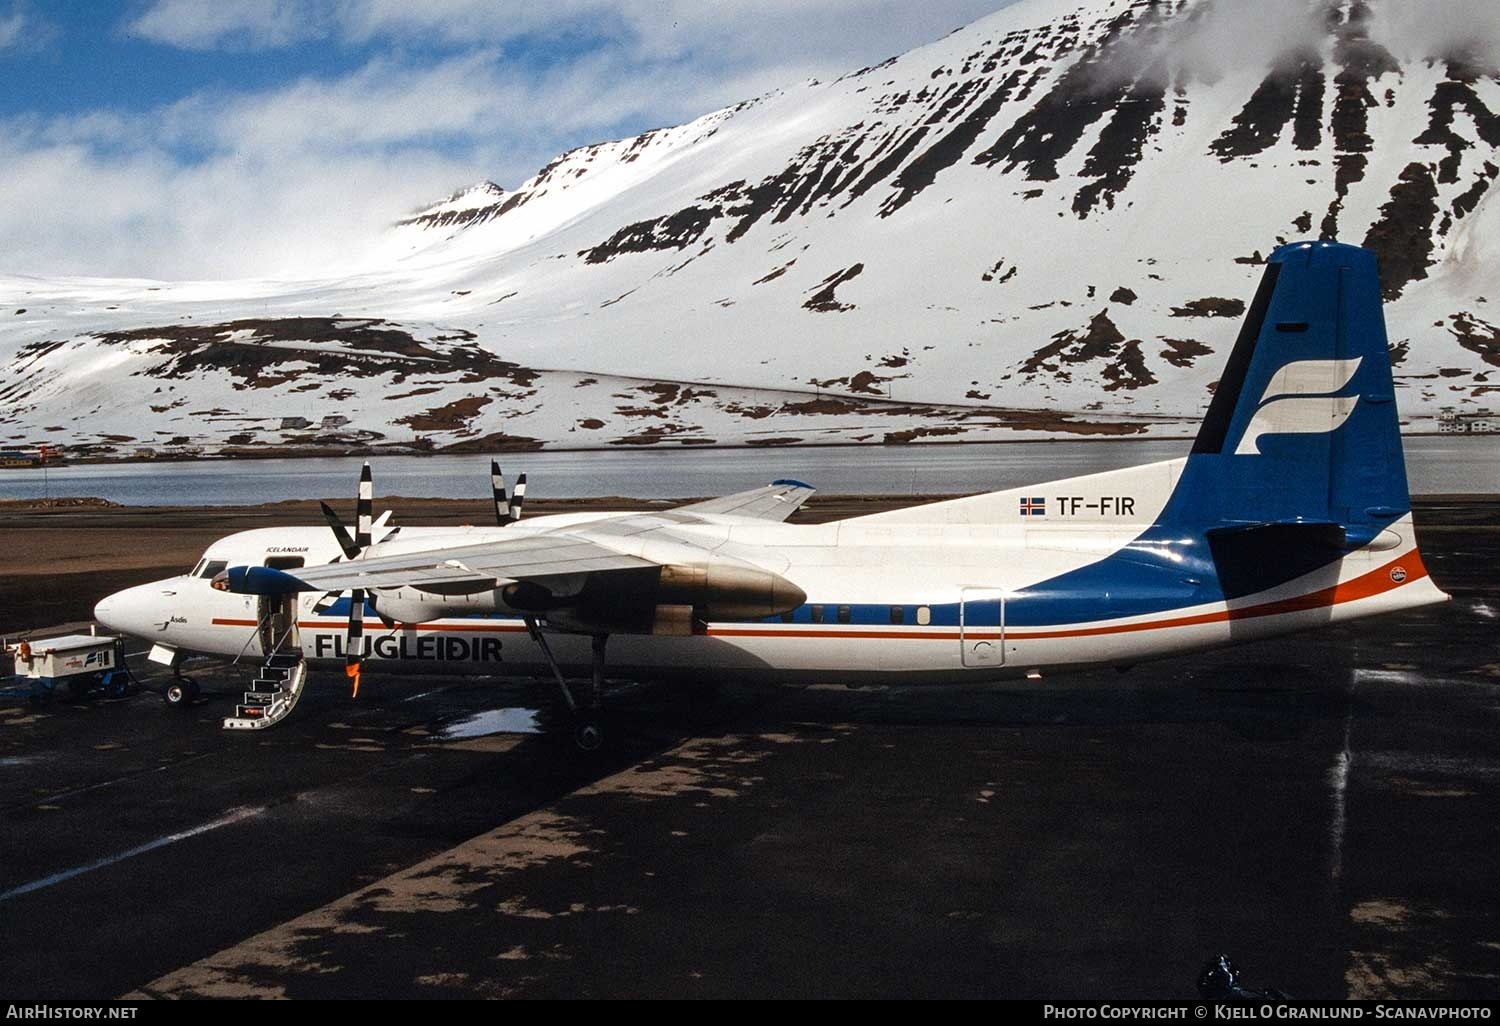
{"x":588,"y":720}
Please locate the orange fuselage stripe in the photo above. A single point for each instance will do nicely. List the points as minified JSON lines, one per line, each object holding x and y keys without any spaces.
{"x":1375,"y":582}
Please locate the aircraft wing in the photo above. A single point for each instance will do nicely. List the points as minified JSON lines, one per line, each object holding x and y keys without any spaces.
{"x":776,"y":501}
{"x":456,"y":569}
{"x":478,"y":567}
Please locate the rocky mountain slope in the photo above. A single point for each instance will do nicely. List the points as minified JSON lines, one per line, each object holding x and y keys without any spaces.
{"x":1048,"y":222}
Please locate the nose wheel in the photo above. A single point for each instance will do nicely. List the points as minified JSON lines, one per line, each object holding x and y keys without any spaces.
{"x":181,"y":693}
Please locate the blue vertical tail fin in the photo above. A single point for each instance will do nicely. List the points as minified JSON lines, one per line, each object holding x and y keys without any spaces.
{"x":1303,"y":426}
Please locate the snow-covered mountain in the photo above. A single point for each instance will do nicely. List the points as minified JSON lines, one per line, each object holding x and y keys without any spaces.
{"x":1046,"y":223}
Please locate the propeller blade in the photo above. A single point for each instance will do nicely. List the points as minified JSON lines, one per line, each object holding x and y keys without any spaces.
{"x":497,"y":490}
{"x":340,"y":531}
{"x":326,"y":603}
{"x":354,"y":646}
{"x":364,"y":509}
{"x":518,"y":498}
{"x":354,"y":649}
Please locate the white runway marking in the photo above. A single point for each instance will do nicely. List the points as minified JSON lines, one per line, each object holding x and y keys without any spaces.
{"x":1338,"y":775}
{"x":161,"y":842}
{"x":1338,"y":781}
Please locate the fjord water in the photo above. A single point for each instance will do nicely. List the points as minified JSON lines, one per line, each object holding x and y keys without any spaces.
{"x":1435,"y":464}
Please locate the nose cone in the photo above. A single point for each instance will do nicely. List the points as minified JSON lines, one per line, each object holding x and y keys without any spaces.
{"x":140,"y":611}
{"x":107,"y":609}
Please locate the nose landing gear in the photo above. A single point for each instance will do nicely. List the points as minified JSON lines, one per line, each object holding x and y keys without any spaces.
{"x":181,"y":693}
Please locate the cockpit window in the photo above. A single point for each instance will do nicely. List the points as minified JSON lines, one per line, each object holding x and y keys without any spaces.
{"x":197,"y":569}
{"x":211,"y":568}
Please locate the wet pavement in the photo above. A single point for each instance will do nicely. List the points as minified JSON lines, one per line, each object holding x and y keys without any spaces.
{"x":1322,"y":808}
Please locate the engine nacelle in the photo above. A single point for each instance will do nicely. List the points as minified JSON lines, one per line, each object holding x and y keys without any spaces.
{"x":723,"y":590}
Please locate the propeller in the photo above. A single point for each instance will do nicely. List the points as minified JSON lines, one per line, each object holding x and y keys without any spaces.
{"x":354,"y":646}
{"x":352,"y":548}
{"x":351,"y":551}
{"x":507,"y":508}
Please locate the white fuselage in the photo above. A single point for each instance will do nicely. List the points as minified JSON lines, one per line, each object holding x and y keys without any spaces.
{"x":930,"y":593}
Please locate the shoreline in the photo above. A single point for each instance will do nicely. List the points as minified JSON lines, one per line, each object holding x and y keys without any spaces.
{"x":680,"y":447}
{"x":677,"y":449}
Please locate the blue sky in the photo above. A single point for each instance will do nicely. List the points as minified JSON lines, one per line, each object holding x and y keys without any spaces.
{"x":190,"y":138}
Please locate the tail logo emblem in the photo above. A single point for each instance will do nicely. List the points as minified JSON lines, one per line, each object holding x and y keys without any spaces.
{"x":1299,"y":400}
{"x":1398,"y":574}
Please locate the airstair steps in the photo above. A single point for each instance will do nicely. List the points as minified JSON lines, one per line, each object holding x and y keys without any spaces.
{"x":274,"y":694}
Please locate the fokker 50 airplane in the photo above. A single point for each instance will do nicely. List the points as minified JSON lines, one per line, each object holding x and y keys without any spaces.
{"x":1290,"y":512}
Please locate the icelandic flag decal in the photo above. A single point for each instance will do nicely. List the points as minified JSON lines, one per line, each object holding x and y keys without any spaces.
{"x":1033,"y":507}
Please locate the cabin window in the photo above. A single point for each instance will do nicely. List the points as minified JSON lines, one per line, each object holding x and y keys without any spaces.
{"x":213,"y":568}
{"x":789,"y":616}
{"x":924,"y":615}
{"x":898,"y":614}
{"x":285,"y":562}
{"x":843,"y":614}
{"x":817,"y":614}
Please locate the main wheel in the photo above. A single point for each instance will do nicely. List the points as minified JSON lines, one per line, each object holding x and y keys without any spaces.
{"x":588,"y":734}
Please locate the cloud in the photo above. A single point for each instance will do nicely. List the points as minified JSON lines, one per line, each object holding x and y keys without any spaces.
{"x":235,"y":24}
{"x":77,"y":212}
{"x":10,"y":29}
{"x":833,"y":33}
{"x":1440,"y":29}
{"x":1213,"y":39}
{"x":224,"y":184}
{"x":292,"y":178}
{"x":21,"y":29}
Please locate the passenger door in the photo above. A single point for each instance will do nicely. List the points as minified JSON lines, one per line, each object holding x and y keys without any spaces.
{"x":981,"y":626}
{"x":277,"y":614}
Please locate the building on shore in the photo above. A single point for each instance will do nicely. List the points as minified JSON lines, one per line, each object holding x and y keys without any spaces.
{"x":1477,"y":422}
{"x":40,"y":456}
